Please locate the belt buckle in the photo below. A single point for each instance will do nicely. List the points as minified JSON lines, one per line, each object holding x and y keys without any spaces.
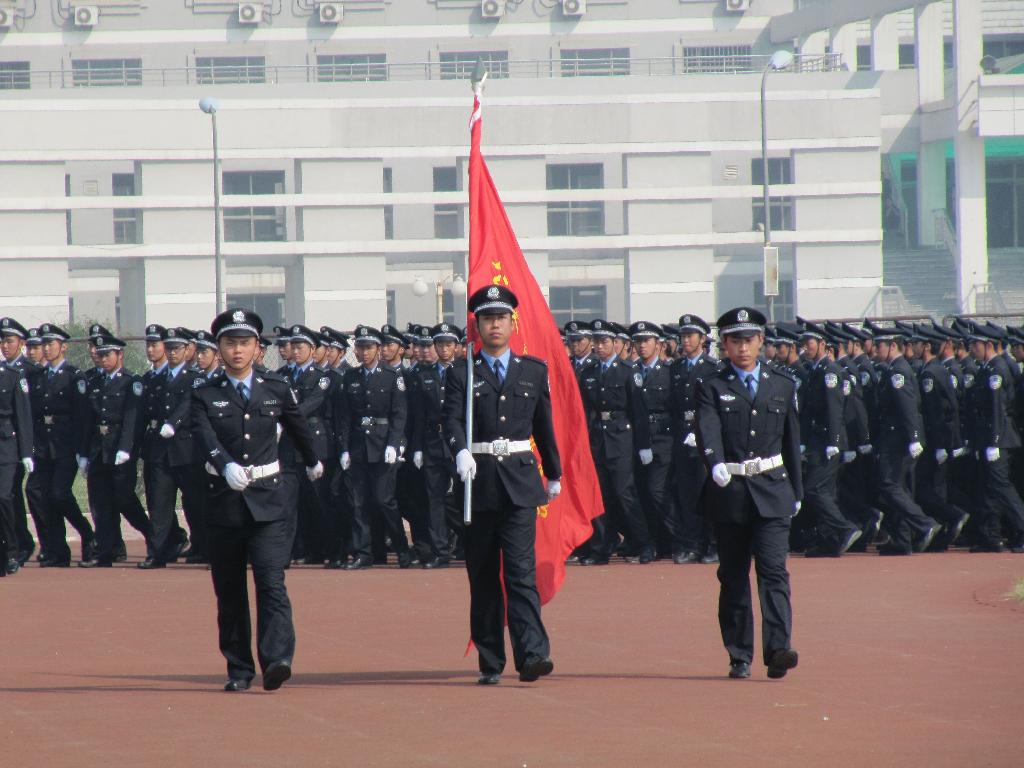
{"x":688,"y":415}
{"x":366,"y":421}
{"x":750,"y":467}
{"x":48,"y":420}
{"x":248,"y":473}
{"x":153,"y":423}
{"x":500,"y":447}
{"x":104,"y":429}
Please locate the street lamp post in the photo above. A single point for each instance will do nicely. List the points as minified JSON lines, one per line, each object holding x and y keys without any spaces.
{"x":210,"y":106}
{"x":420,"y":288}
{"x":779,"y":60}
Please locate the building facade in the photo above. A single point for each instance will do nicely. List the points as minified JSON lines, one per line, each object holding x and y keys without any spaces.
{"x":623,"y":135}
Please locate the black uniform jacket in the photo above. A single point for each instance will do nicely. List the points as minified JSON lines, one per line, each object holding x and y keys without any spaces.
{"x":897,"y":415}
{"x":515,"y":410}
{"x":940,"y":407}
{"x":617,"y":417}
{"x":229,"y":430}
{"x":177,"y":411}
{"x":113,"y":420}
{"x":428,"y":394}
{"x":686,"y":380}
{"x":370,"y":413}
{"x":732,"y":429}
{"x":15,"y":416}
{"x":59,"y":410}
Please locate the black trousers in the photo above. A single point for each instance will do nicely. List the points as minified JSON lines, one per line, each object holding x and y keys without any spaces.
{"x":655,"y":492}
{"x":8,"y":534}
{"x":112,"y":493}
{"x":162,"y":482}
{"x":49,"y":490}
{"x":933,"y":490}
{"x":309,"y":539}
{"x":821,"y":476}
{"x":25,"y":540}
{"x":766,"y":541}
{"x":437,"y":479}
{"x":505,"y":536}
{"x":854,"y":493}
{"x":193,"y":503}
{"x":622,"y":511}
{"x":903,"y":516}
{"x":691,"y":477}
{"x":336,"y":502}
{"x":1000,"y":501}
{"x":410,"y":493}
{"x":268,"y":548}
{"x":373,"y":496}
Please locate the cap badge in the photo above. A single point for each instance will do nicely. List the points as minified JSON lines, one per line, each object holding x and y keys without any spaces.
{"x":295,"y":329}
{"x":686,"y":319}
{"x":743,"y":315}
{"x":493,"y":292}
{"x":238,"y":316}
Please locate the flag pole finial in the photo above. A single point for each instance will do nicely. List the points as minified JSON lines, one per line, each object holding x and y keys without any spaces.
{"x":479,"y":77}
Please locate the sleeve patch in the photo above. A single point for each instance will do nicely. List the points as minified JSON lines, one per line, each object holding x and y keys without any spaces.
{"x":81,"y":386}
{"x":638,"y":379}
{"x":400,"y":383}
{"x":324,"y":383}
{"x":24,"y":386}
{"x":831,"y":380}
{"x":137,"y":388}
{"x":898,"y":381}
{"x":995,"y":382}
{"x":928,"y":385}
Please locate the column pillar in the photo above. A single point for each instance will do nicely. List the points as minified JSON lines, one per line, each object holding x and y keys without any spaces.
{"x":46,"y":301}
{"x":843,"y":40}
{"x":131,"y":291}
{"x":180,"y":291}
{"x":815,"y":43}
{"x":931,"y":191}
{"x":885,"y":44}
{"x":969,"y":152}
{"x":342,"y":291}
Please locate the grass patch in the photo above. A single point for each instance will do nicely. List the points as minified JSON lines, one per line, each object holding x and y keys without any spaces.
{"x":1017,"y":593}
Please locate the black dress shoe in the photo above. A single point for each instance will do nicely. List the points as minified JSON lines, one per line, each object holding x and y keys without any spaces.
{"x":987,"y":548}
{"x":121,"y":554}
{"x":96,"y":562}
{"x":12,"y":566}
{"x":237,"y":684}
{"x":25,"y":554}
{"x":535,"y":668}
{"x":686,"y":558}
{"x":51,"y":563}
{"x":196,"y":558}
{"x":780,"y":662}
{"x":849,"y":540}
{"x":888,"y":550}
{"x":151,"y":563}
{"x":406,"y":560}
{"x":594,"y":560}
{"x":489,"y":678}
{"x":819,"y":550}
{"x":335,"y":565}
{"x":710,"y":558}
{"x":276,"y":674}
{"x":573,"y":560}
{"x":926,"y":540}
{"x":436,"y":562}
{"x":359,"y":563}
{"x":739,"y":670}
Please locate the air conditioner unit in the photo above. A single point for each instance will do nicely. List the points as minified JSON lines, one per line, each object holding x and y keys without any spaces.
{"x":737,"y":6}
{"x":492,"y":9}
{"x":574,"y":7}
{"x":250,"y":13}
{"x":6,"y":18}
{"x":331,"y":13}
{"x":85,"y":15}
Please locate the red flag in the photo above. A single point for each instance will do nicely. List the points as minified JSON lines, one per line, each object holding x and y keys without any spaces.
{"x":495,"y":258}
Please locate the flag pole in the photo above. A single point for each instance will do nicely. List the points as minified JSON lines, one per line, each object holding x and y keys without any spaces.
{"x":467,"y":499}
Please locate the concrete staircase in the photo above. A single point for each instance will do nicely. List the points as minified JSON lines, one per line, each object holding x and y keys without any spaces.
{"x":927,"y":279}
{"x":1006,"y":274}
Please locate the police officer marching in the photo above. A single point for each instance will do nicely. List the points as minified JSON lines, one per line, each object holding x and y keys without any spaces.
{"x":236,"y":418}
{"x":15,"y":451}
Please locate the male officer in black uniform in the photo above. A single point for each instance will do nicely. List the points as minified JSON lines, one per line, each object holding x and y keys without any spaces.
{"x":109,"y":451}
{"x":822,"y":434}
{"x":654,"y":481}
{"x":620,"y":428}
{"x":898,"y":434}
{"x":59,"y":411}
{"x":15,"y":451}
{"x":370,"y":420}
{"x":749,"y":433}
{"x":429,"y":449}
{"x":236,"y":418}
{"x":580,"y":340}
{"x":335,"y":500}
{"x":511,"y":404}
{"x":692,"y":368}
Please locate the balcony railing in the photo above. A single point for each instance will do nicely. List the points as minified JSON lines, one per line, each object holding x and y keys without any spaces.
{"x":526,"y":69}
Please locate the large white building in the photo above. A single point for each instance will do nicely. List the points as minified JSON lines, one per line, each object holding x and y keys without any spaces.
{"x":624,"y":136}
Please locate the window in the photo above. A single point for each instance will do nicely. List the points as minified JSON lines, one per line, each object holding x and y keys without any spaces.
{"x":447,"y":306}
{"x":126,"y":220}
{"x":863,"y":57}
{"x":1003,"y":45}
{"x":780,"y":171}
{"x":93,"y":73}
{"x":390,"y":298}
{"x":389,"y":210}
{"x":460,"y":65}
{"x":783,"y":308}
{"x":906,"y":54}
{"x":269,"y":306}
{"x":447,"y":216}
{"x":582,"y":62}
{"x":67,"y":213}
{"x":1005,"y":199}
{"x":575,"y":218}
{"x":216,"y":70}
{"x":350,"y":68}
{"x":574,"y":302}
{"x":257,"y":224}
{"x":14,"y":75}
{"x":717,"y":58}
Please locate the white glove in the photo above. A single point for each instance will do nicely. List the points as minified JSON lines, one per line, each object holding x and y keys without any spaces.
{"x":646,"y":456}
{"x":720,"y":475}
{"x":849,"y":456}
{"x":401,"y":451}
{"x":417,"y":459}
{"x":690,"y":440}
{"x":166,"y":431}
{"x":280,"y":431}
{"x":991,"y":454}
{"x":121,"y":457}
{"x":315,"y":472}
{"x":865,"y":449}
{"x":83,"y":465}
{"x":465,"y":465}
{"x":554,"y":488}
{"x":803,"y":448}
{"x":941,"y":456}
{"x":390,"y":455}
{"x":831,"y":452}
{"x":915,"y":450}
{"x":346,"y":461}
{"x":29,"y":466}
{"x":796,"y":508}
{"x":210,"y":469}
{"x":236,"y":477}
{"x":958,"y":452}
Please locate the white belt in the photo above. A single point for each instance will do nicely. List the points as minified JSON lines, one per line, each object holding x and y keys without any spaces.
{"x":754,"y":466}
{"x":501,"y":447}
{"x":253,"y":473}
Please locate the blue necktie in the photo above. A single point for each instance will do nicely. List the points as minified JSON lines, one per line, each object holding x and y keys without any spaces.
{"x":750,"y":385}
{"x":243,"y":392}
{"x":499,"y":371}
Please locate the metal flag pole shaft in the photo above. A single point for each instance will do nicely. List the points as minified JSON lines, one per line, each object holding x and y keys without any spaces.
{"x":467,"y":500}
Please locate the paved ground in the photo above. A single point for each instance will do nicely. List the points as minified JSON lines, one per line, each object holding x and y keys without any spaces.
{"x":904,"y":661}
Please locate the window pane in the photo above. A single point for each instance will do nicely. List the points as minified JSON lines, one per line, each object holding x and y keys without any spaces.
{"x":123,"y":184}
{"x":583,"y":62}
{"x":362,"y":67}
{"x":92,"y":73}
{"x":446,"y":179}
{"x":14,"y":75}
{"x":717,"y":58}
{"x":211,"y":70}
{"x":460,"y":65}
